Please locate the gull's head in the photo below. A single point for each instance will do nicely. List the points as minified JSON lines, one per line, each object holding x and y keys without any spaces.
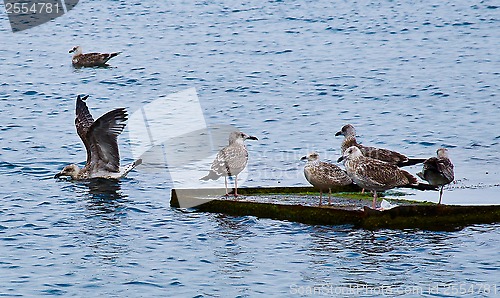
{"x":347,"y":131}
{"x":77,"y":50}
{"x":350,"y":154}
{"x":442,"y":153}
{"x":238,"y":136}
{"x":69,"y":171}
{"x":311,"y":156}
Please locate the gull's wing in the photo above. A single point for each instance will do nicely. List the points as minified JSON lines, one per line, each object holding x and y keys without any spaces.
{"x":230,"y":160}
{"x":102,"y":137}
{"x":445,"y":166}
{"x":380,"y":173}
{"x":95,"y":59}
{"x":83,"y":121}
{"x":386,"y":155}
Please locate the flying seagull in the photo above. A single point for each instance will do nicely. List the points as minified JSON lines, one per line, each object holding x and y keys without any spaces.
{"x":99,"y":138}
{"x":230,"y":160}
{"x":324,"y":175}
{"x":90,"y":59}
{"x":376,"y":175}
{"x":386,"y":155}
{"x":438,"y":170}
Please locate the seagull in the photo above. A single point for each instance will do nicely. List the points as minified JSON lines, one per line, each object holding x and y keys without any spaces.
{"x":324,"y":175}
{"x":230,"y":160}
{"x":376,"y":175}
{"x":386,"y":155}
{"x":99,"y":138}
{"x":438,"y":170}
{"x":90,"y":59}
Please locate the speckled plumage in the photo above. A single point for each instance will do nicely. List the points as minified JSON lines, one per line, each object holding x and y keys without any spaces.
{"x":323,"y":175}
{"x":438,"y":170}
{"x":376,"y":175}
{"x":100,"y":140}
{"x":230,"y":160}
{"x":90,"y":59}
{"x":386,"y":155}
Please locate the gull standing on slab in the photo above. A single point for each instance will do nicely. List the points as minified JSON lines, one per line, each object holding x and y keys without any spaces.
{"x":376,"y":175}
{"x":90,"y":59}
{"x":230,"y":160}
{"x":100,"y":140}
{"x":438,"y":170}
{"x":386,"y":155}
{"x":324,"y":175}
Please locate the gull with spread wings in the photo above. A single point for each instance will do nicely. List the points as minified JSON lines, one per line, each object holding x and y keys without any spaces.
{"x":100,"y":140}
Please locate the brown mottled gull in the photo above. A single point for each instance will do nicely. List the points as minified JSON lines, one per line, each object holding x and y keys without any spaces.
{"x":376,"y":175}
{"x":90,"y":59}
{"x":438,"y":170}
{"x":99,"y":138}
{"x":230,"y":160}
{"x":386,"y":155}
{"x":323,"y":175}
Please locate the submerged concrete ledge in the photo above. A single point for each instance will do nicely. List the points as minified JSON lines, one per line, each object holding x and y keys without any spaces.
{"x":353,"y":212}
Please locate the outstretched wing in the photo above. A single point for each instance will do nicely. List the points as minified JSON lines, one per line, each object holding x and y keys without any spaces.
{"x":83,"y":121}
{"x":102,"y":137}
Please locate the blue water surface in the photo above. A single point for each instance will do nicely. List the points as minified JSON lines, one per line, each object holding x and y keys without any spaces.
{"x":411,"y":76}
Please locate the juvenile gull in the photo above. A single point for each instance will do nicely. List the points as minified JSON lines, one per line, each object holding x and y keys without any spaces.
{"x":376,"y":175}
{"x":90,"y":59}
{"x":386,"y":155}
{"x":323,"y":175}
{"x":438,"y":170}
{"x":230,"y":160}
{"x":99,"y":138}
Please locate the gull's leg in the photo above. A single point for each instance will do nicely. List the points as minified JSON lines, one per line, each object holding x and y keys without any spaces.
{"x":235,"y":186}
{"x":374,"y":204}
{"x":440,"y":194}
{"x":329,"y":196}
{"x":225,"y":184}
{"x":320,"y":197}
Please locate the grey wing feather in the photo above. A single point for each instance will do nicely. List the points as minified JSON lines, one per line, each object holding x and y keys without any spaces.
{"x":102,"y":137}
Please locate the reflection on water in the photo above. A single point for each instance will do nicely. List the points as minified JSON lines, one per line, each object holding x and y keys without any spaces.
{"x":106,"y":207}
{"x":233,"y":258}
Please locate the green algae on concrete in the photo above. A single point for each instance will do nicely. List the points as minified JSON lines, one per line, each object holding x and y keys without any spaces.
{"x":354,"y":212}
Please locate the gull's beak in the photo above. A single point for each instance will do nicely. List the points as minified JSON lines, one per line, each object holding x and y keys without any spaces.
{"x":338,"y":133}
{"x":252,"y":138}
{"x":58,"y":175}
{"x":303,"y":157}
{"x":71,"y":51}
{"x":340,"y":159}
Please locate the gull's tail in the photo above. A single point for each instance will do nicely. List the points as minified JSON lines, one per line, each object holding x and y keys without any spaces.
{"x":421,"y":186}
{"x":212,"y":175}
{"x":411,"y":161}
{"x":130,"y":167}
